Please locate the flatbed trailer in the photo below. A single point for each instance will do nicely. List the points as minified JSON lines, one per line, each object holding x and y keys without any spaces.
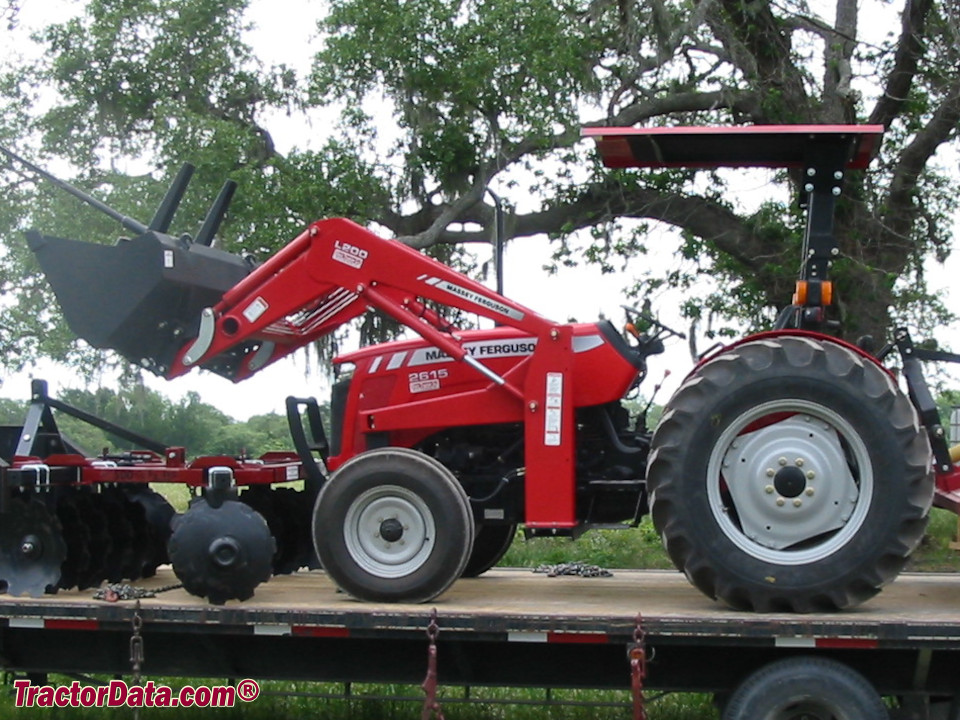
{"x":510,"y":627}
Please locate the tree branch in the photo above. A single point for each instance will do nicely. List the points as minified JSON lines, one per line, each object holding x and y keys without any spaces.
{"x":427,"y":226}
{"x":910,"y":48}
{"x":900,"y":208}
{"x":605,"y":201}
{"x":755,"y":39}
{"x":837,"y":73}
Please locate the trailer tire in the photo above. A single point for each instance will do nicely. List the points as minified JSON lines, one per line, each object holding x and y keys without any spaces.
{"x":393,"y":525}
{"x":789,"y":473}
{"x":805,"y":687}
{"x":489,"y":546}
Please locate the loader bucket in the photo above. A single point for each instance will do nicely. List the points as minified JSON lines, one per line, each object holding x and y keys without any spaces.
{"x":141,"y":297}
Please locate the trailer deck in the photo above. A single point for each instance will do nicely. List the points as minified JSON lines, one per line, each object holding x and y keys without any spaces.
{"x":509,"y":627}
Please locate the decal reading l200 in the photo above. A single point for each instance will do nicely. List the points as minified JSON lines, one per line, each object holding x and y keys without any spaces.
{"x":348,"y":254}
{"x":518,"y":347}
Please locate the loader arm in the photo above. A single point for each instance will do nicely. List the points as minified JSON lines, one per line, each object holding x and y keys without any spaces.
{"x":333,"y":272}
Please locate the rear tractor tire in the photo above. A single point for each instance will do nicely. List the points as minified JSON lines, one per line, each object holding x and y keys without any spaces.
{"x":789,"y":473}
{"x":393,"y":525}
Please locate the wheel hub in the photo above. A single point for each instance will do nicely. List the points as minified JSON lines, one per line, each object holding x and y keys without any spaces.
{"x":789,"y":481}
{"x":31,"y":547}
{"x":391,"y":530}
{"x":225,"y":552}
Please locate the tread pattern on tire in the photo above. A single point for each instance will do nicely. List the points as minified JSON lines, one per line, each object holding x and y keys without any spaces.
{"x":828,"y":372}
{"x":832,"y":686}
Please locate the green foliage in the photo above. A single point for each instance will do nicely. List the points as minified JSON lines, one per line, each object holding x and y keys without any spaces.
{"x":283,"y":700}
{"x":11,"y":412}
{"x":463,"y":78}
{"x":628,"y":548}
{"x":189,"y":422}
{"x":416,"y":108}
{"x":935,"y":553}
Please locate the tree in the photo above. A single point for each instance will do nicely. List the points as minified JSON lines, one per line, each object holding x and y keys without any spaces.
{"x":437,"y":101}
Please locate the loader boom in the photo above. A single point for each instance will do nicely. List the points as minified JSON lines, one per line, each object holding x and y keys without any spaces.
{"x":330,"y":274}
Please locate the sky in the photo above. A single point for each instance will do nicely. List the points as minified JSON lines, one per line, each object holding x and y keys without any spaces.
{"x":582,"y":292}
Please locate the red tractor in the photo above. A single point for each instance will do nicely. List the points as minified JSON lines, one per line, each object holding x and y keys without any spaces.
{"x":788,"y":472}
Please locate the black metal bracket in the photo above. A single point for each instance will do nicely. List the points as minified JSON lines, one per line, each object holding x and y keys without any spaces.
{"x":40,"y":423}
{"x":921,"y":396}
{"x":822,"y":184}
{"x":306,"y":447}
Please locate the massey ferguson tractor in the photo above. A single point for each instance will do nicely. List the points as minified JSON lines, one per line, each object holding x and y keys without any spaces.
{"x":789,"y":472}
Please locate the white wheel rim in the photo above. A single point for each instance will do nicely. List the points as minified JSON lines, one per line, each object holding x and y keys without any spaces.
{"x":389,"y":531}
{"x":793,"y":491}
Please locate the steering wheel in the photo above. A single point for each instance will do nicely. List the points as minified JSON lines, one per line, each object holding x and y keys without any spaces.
{"x":662,"y":331}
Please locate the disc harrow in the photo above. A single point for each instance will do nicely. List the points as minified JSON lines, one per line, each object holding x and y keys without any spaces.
{"x":32,"y":548}
{"x":287,"y":513}
{"x":71,"y":521}
{"x":221,"y":549}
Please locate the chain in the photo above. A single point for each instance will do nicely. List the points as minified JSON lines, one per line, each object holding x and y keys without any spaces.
{"x":638,"y":668}
{"x":136,"y":651}
{"x":114,"y":592}
{"x":431,"y":706}
{"x":578,"y":568}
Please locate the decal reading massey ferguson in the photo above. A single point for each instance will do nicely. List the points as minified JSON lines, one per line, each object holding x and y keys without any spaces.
{"x":476,"y":298}
{"x":349,"y":254}
{"x":480,"y":349}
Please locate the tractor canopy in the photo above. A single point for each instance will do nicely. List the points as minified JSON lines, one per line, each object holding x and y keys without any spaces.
{"x":774,"y":146}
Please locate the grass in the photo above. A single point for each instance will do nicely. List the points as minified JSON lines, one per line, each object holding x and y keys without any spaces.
{"x":294,"y":700}
{"x":628,"y":548}
{"x":934,"y":553}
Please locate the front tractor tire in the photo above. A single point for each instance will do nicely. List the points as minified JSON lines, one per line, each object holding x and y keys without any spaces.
{"x":393,"y":525}
{"x":789,"y":473}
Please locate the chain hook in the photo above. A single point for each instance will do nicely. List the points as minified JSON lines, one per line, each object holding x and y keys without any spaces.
{"x":136,"y":650}
{"x":431,"y":706}
{"x":638,"y":668}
